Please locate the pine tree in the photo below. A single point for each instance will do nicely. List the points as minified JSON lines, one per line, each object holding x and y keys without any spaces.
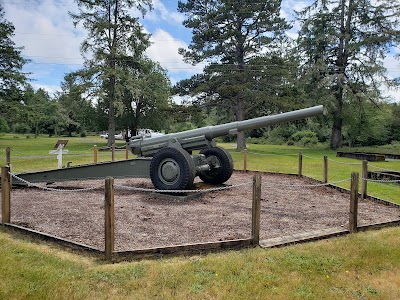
{"x":12,"y":78}
{"x":114,"y":38}
{"x":11,"y":61}
{"x":343,"y":43}
{"x":229,"y":34}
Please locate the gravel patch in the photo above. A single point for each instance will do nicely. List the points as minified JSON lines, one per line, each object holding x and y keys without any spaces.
{"x":144,"y":220}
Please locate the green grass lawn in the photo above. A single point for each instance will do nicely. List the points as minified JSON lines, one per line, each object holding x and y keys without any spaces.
{"x":360,"y":266}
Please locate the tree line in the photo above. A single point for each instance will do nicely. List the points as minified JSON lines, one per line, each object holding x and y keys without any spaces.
{"x":253,"y":68}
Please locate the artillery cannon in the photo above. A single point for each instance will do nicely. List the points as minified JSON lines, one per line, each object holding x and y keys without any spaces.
{"x":168,"y":159}
{"x":172,"y":165}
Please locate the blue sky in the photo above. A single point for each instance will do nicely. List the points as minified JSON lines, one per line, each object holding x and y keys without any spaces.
{"x":46,"y":31}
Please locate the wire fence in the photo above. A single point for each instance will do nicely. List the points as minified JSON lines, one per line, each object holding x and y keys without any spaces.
{"x":30,"y":184}
{"x":268,"y":185}
{"x":345,"y":163}
{"x":270,"y":154}
{"x":300,"y":186}
{"x":320,"y":158}
{"x":384,"y":169}
{"x":216,"y":189}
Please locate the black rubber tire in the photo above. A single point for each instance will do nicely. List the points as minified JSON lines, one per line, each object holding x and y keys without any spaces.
{"x":179,"y":159}
{"x":218,"y":175}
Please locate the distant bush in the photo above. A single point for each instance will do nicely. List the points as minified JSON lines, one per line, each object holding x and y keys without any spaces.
{"x":21,"y":128}
{"x":396,"y":144}
{"x":303,"y":138}
{"x":3,"y":125}
{"x":261,"y":141}
{"x":280,"y":134}
{"x":393,"y":145}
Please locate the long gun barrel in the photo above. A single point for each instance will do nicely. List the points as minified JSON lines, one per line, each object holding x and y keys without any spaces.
{"x":201,"y":138}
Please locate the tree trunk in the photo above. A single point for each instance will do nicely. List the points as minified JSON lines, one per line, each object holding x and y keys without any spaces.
{"x":240,"y":106}
{"x":112,"y":63}
{"x":135,"y":115}
{"x":336,"y":137}
{"x":241,"y":139}
{"x":341,"y":64}
{"x":111,"y":112}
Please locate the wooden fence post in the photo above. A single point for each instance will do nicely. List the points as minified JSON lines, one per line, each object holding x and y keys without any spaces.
{"x":325,"y":169}
{"x":353,"y":202}
{"x":245,"y":160}
{"x":8,"y":163}
{"x":126,"y":151}
{"x":113,"y":152}
{"x":364,"y":177}
{"x":5,"y":194}
{"x":256,"y":210}
{"x":95,"y":154}
{"x":109,"y":224}
{"x":300,"y":173}
{"x":8,"y":156}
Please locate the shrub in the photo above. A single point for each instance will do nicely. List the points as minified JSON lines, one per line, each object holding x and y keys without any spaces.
{"x":303,"y":138}
{"x":261,"y":141}
{"x":280,"y":134}
{"x":21,"y":128}
{"x":3,"y":125}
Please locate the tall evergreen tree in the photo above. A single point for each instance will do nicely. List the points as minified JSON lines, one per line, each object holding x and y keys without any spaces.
{"x":114,"y":38}
{"x":343,"y":43}
{"x":229,"y":35}
{"x":11,"y":76}
{"x":11,"y":61}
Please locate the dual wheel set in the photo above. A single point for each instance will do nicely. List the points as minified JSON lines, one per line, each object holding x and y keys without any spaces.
{"x":175,"y":169}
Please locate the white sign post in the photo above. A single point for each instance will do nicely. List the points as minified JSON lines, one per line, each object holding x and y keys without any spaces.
{"x":59,"y":151}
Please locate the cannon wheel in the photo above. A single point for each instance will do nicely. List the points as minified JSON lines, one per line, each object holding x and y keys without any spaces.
{"x":172,"y":169}
{"x":221,"y":165}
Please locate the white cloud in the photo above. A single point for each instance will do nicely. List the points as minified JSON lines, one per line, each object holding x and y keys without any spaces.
{"x":392,"y":65}
{"x":162,"y":14}
{"x":289,"y":7}
{"x":51,"y":41}
{"x":165,"y":50}
{"x":51,"y":89}
{"x":46,"y":31}
{"x":393,"y":71}
{"x":392,"y":94}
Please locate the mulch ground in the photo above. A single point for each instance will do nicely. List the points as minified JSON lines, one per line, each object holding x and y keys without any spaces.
{"x":145,"y":220}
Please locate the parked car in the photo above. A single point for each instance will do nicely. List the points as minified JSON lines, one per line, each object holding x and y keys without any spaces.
{"x":147,"y":133}
{"x":141,"y":133}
